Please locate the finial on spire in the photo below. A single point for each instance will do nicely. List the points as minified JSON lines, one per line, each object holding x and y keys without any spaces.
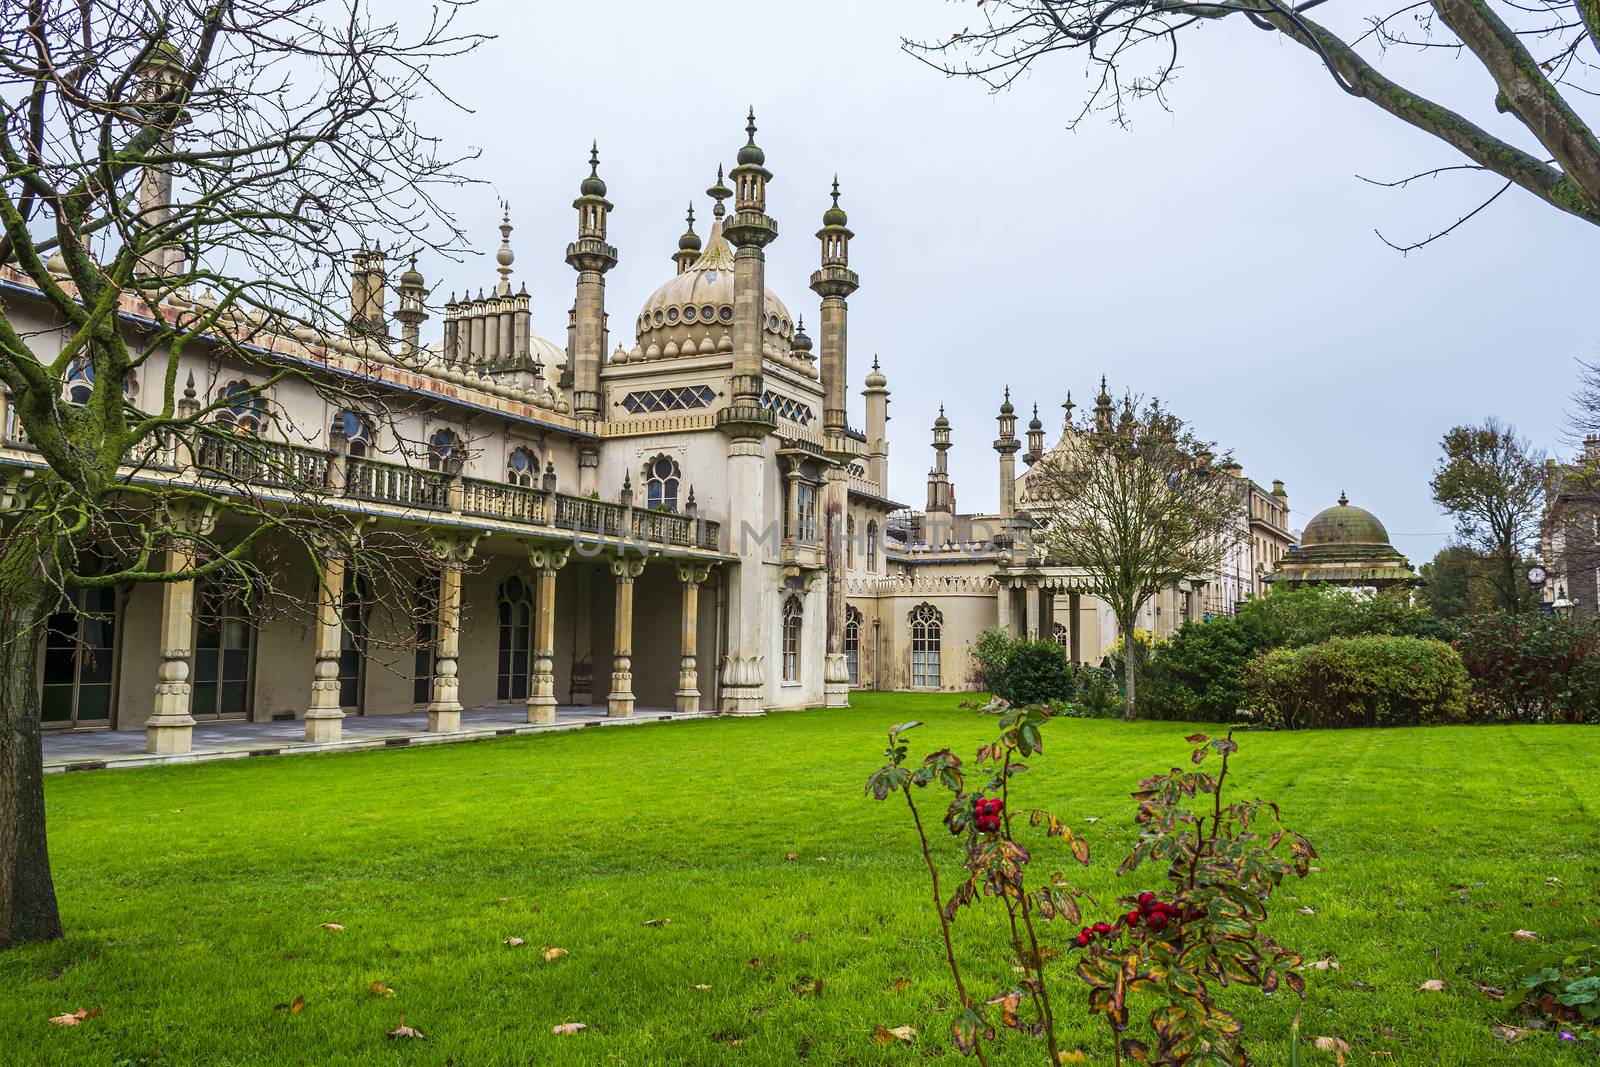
{"x":1069,"y":405}
{"x":188,"y":389}
{"x":1008,"y":392}
{"x":691,"y":216}
{"x":719,"y":192}
{"x":836,"y":189}
{"x":1344,"y":501}
{"x":751,"y":128}
{"x":594,"y":157}
{"x":505,"y":257}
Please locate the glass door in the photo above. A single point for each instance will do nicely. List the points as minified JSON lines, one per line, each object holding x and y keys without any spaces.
{"x":80,"y":652}
{"x":224,"y":639}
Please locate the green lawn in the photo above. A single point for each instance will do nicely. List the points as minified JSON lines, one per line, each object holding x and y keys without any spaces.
{"x":193,"y":895}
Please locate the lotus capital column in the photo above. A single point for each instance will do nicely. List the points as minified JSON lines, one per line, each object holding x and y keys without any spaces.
{"x":547,"y":562}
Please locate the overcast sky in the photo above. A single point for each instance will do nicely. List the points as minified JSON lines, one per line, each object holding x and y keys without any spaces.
{"x":1221,"y":256}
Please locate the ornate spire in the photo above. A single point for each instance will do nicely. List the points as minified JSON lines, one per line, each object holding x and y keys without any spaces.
{"x":688,"y":245}
{"x":1069,"y":405}
{"x":719,"y":192}
{"x":1344,"y":501}
{"x":504,"y":257}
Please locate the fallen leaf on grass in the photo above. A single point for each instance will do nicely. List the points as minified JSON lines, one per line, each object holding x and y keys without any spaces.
{"x":885,"y":1036}
{"x":504,"y":899}
{"x":294,"y":1008}
{"x":405,"y":1031}
{"x":1432,"y":985}
{"x":566,"y":1029}
{"x":1509,"y":1034}
{"x":1306,"y":911}
{"x":1325,"y":965}
{"x":76,"y":1017}
{"x":657,"y":922}
{"x":1492,"y":992}
{"x":699,"y":985}
{"x":822,"y":859}
{"x":1077,"y":1055}
{"x":552,"y":954}
{"x":1524,"y":935}
{"x":335,"y":927}
{"x":813,"y":988}
{"x":513,"y":942}
{"x":902,"y":984}
{"x":756,"y":963}
{"x":791,"y":855}
{"x":1331,"y":1044}
{"x":378,"y":989}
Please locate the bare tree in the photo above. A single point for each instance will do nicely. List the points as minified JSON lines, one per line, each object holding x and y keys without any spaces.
{"x":1492,"y":482}
{"x":1139,"y":502}
{"x":1538,"y":56}
{"x":187,"y":180}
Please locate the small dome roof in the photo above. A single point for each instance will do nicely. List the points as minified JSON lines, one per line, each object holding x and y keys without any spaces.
{"x":875,"y":378}
{"x":701,"y":298}
{"x":1344,"y":524}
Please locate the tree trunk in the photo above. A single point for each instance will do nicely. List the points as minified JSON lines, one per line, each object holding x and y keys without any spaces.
{"x":1128,"y":673}
{"x":27,"y":892}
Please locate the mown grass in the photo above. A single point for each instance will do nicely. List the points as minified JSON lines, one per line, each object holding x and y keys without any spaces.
{"x":193,"y":895}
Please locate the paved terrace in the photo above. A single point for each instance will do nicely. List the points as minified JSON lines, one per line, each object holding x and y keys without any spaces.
{"x":100,"y":749}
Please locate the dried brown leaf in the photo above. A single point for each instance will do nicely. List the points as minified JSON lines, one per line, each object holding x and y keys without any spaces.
{"x":406,"y":1031}
{"x":1305,"y":911}
{"x":755,"y":963}
{"x":335,"y":927}
{"x":699,"y":985}
{"x":886,"y":1036}
{"x":901,"y":985}
{"x":1432,"y":985}
{"x":1331,"y":1044}
{"x":1509,"y":1034}
{"x":1524,"y":935}
{"x":791,"y":855}
{"x":552,"y":954}
{"x":76,"y":1017}
{"x":567,"y":1029}
{"x":657,"y":922}
{"x":378,"y":989}
{"x":513,"y":942}
{"x":1077,"y":1055}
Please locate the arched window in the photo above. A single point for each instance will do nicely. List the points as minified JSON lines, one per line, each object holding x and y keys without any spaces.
{"x":849,"y":541}
{"x":791,"y":639}
{"x":516,"y":631}
{"x":872,"y":546}
{"x":1059,"y":633}
{"x":80,"y":380}
{"x":852,"y":643}
{"x":357,"y":432}
{"x":661,"y":480}
{"x":522,"y":467}
{"x":245,"y":410}
{"x":425,"y":610}
{"x":927,"y":632}
{"x":445,"y":452}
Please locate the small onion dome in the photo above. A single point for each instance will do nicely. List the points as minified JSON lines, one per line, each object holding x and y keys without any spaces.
{"x":835,"y":215}
{"x":593,"y":185}
{"x":1005,"y":405}
{"x":750,"y":155}
{"x":1344,"y":524}
{"x":802,"y":343}
{"x":720,"y":191}
{"x":690,"y":241}
{"x":412,"y":277}
{"x":1034,"y":423}
{"x":875,"y":378}
{"x":941,"y":422}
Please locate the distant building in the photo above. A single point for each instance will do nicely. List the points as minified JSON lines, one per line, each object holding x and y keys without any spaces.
{"x":1571,"y":538}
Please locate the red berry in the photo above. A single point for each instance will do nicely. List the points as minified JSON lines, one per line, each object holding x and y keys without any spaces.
{"x":1132,"y":918}
{"x":1083,"y":940}
{"x":1146,"y":899}
{"x":1102,"y":928}
{"x":1158,"y":921}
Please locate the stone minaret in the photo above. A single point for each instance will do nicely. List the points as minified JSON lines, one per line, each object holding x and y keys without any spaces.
{"x":747,"y":424}
{"x":591,"y":257}
{"x":413,"y":292}
{"x":160,"y":77}
{"x":834,"y":282}
{"x":688,"y":245}
{"x":941,"y":495}
{"x":368,"y":280}
{"x":1035,"y":439}
{"x":1007,"y":445}
{"x":877,"y":394}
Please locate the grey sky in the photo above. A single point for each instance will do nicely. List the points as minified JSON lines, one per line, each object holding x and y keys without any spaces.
{"x":1221,"y":256}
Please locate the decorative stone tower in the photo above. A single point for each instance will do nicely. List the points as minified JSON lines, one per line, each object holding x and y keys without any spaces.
{"x":747,"y":424}
{"x":1035,"y":439}
{"x":591,"y":257}
{"x":941,"y":495}
{"x":834,"y":282}
{"x":1007,"y":445}
{"x":688,"y":245}
{"x":877,"y":394}
{"x":160,"y":78}
{"x":413,"y":292}
{"x":368,"y":282}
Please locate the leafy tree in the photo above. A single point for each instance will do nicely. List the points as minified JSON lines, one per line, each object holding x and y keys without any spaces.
{"x":183,"y":180}
{"x":1492,"y":482}
{"x":1537,"y":58}
{"x":1448,"y":592}
{"x":1136,"y":500}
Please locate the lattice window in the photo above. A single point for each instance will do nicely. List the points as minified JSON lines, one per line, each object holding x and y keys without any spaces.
{"x":872,"y":546}
{"x":522,"y":467}
{"x":852,"y":643}
{"x":927,"y":638}
{"x":785,"y":408}
{"x":1061,"y":634}
{"x":679,"y":398}
{"x":357,"y":431}
{"x":791,"y":639}
{"x":661,"y":480}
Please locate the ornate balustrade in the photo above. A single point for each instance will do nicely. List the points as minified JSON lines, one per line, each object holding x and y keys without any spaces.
{"x":258,"y":462}
{"x":501,"y":500}
{"x":392,"y":483}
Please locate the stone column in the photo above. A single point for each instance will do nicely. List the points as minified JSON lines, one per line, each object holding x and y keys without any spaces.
{"x":688,"y":695}
{"x":444,"y":704}
{"x":325,"y":718}
{"x":547,"y":562}
{"x":619,"y":704}
{"x":835,"y":507}
{"x":1074,"y":628}
{"x":1003,"y":608}
{"x":170,"y":728}
{"x":1033,"y":609}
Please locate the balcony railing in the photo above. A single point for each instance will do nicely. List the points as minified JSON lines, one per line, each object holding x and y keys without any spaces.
{"x":253,"y":461}
{"x":392,"y":483}
{"x":501,"y":500}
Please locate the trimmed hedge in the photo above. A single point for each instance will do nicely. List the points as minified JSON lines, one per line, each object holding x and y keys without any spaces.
{"x":1359,"y":681}
{"x":1037,"y":672}
{"x":1532,"y":668}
